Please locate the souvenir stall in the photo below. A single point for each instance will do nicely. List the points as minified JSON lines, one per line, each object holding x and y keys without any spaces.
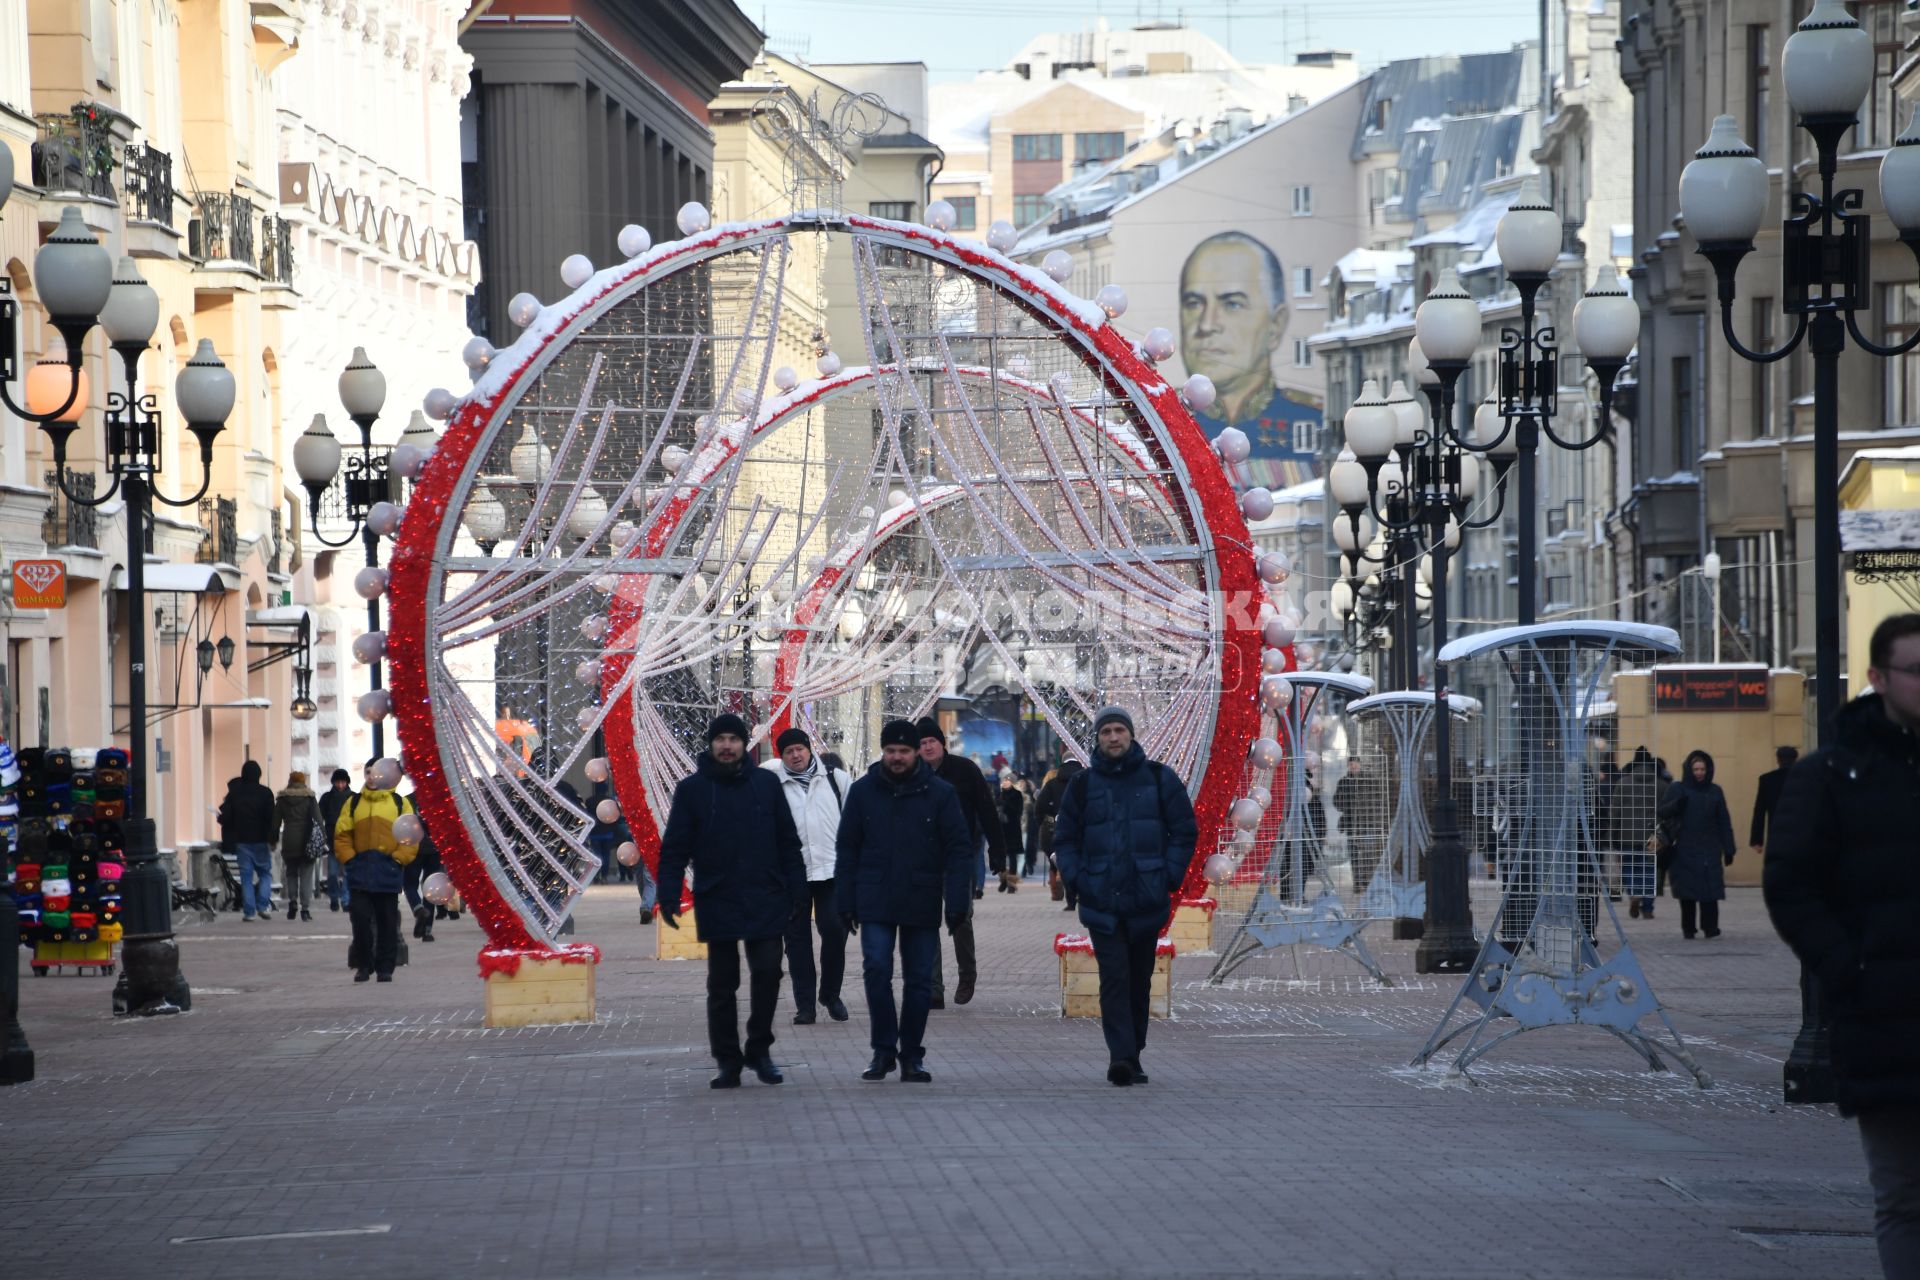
{"x":61,"y":816}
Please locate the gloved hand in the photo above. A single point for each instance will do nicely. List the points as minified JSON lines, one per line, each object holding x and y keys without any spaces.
{"x":669,"y":918}
{"x":954,"y":920}
{"x":1729,"y":859}
{"x":849,"y":922}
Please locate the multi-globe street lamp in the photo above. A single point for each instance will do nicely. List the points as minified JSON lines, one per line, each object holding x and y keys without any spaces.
{"x":1825,"y":243}
{"x":81,"y":287}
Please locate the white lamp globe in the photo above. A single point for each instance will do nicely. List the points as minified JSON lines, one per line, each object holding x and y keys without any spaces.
{"x":439,"y":404}
{"x":1489,"y":426}
{"x":1256,"y":504}
{"x":1900,"y":178}
{"x":1347,"y":480}
{"x":1058,"y":264}
{"x":1723,"y":189}
{"x":316,"y":454}
{"x":1417,"y":367}
{"x":1828,"y":62}
{"x":530,"y":459}
{"x":1606,"y":322}
{"x":589,"y":509}
{"x":1408,"y":420}
{"x":1528,"y":234}
{"x":1371,"y":426}
{"x":484,"y":516}
{"x":1448,"y":322}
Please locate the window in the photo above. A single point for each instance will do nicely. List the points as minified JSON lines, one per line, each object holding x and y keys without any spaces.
{"x":1306,"y":436}
{"x":1382,"y":111}
{"x":1302,"y":282}
{"x":1028,"y":210}
{"x":963,"y":213}
{"x":1764,"y":339}
{"x":897,"y":210}
{"x":1302,"y":202}
{"x":1302,"y":354}
{"x":1686,"y":449}
{"x":1880,"y":113}
{"x":1098,"y":146}
{"x":1036,"y":146}
{"x":1759,"y":85}
{"x":1899,"y":315}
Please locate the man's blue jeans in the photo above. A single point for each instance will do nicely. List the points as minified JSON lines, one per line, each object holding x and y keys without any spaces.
{"x":919,"y":948}
{"x":256,"y":878}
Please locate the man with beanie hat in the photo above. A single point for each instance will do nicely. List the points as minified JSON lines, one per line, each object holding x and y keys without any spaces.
{"x":903,"y":847}
{"x":730,"y":823}
{"x":1123,"y":840}
{"x":816,"y":794}
{"x":983,"y":822}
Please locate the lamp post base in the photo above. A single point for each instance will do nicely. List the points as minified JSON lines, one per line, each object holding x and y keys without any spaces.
{"x":1446,"y":943}
{"x":1408,"y":929}
{"x":150,"y":978}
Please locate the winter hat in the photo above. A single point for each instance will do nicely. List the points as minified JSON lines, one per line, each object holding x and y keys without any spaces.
{"x":793,"y":738}
{"x":930,"y":728}
{"x":1112,"y":715}
{"x":727,"y":722}
{"x":900,"y":733}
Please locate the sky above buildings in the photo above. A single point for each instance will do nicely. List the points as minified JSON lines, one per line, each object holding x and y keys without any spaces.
{"x":957,"y":39}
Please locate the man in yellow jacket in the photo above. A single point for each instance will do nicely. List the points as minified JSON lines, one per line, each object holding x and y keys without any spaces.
{"x":365,"y":844}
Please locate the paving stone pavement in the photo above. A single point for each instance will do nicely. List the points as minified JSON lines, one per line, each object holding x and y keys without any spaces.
{"x":298,"y":1124}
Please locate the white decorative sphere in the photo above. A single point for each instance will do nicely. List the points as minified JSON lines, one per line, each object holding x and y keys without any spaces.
{"x":627,"y":853}
{"x":369,"y":648}
{"x":785,"y":378}
{"x":575,"y":270}
{"x":1002,"y":235}
{"x":604,"y":583}
{"x":673,"y":457}
{"x":1273,"y":661}
{"x":898,"y":498}
{"x":477,"y":354}
{"x":1276,"y":693}
{"x":407,"y":460}
{"x":524,"y":309}
{"x":384,"y":773}
{"x":408,"y":829}
{"x":1272,"y":567}
{"x":1111,"y":299}
{"x":383,"y":518}
{"x":1246,"y":814}
{"x":1266,"y":752}
{"x":1200,"y":392}
{"x":1158,"y":344}
{"x":744,"y":398}
{"x":1260,"y":796}
{"x":1256,"y":504}
{"x":626,"y":531}
{"x":829,"y":365}
{"x":693,"y":218}
{"x":598,"y":770}
{"x":585,"y":718}
{"x":1306,"y":653}
{"x":607,"y":811}
{"x":588,"y":672}
{"x":439,"y":404}
{"x":1233,"y":445}
{"x":375,"y":704}
{"x":1058,"y":265}
{"x":437,"y":888}
{"x":1275,"y":633}
{"x":634,"y":240}
{"x":941,"y":215}
{"x":594,"y":627}
{"x":370,"y":583}
{"x":1218,"y":867}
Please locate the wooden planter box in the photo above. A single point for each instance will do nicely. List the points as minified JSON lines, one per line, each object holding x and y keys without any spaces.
{"x":1192,"y":929}
{"x":678,"y":944}
{"x":1080,"y":978}
{"x":542,"y":990}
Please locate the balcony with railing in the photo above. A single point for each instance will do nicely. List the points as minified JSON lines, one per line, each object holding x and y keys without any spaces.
{"x":219,"y":519}
{"x":68,"y":523}
{"x":222,"y":230}
{"x":146,"y":184}
{"x":276,"y":249}
{"x":74,"y":154}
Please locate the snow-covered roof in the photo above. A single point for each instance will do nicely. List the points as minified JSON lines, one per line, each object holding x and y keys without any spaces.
{"x":1630,"y":635}
{"x":1344,"y":681}
{"x":1458,"y":703}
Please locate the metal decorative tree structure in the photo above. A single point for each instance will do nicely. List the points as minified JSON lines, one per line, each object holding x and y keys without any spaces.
{"x":1396,"y":730}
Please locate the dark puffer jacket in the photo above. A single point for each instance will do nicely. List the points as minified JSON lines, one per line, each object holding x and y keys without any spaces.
{"x":904,"y":851}
{"x":1696,"y":815}
{"x":1843,"y":887}
{"x":735,"y":829}
{"x":246,"y":815}
{"x":1123,"y":839}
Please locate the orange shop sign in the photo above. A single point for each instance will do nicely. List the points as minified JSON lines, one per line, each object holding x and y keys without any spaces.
{"x":39,"y":584}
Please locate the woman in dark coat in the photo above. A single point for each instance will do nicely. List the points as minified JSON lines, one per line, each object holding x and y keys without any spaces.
{"x":1695,"y":814}
{"x":1012,"y":802}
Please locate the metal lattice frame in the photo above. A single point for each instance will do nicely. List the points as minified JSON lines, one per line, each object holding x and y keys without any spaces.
{"x":1400,"y":727}
{"x":1538,"y":964}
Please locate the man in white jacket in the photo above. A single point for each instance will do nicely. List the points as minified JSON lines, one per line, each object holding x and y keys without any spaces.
{"x":815,"y":793}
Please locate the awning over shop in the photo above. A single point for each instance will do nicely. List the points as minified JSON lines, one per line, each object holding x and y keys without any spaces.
{"x":180,"y":579}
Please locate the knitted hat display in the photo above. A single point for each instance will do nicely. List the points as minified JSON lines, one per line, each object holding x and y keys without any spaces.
{"x":110,"y":758}
{"x":84,"y":758}
{"x":59,"y":765}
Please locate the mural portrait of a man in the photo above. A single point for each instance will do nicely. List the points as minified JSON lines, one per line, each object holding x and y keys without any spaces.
{"x":1233,"y":316}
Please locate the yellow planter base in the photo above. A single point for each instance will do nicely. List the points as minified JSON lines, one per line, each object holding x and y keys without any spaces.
{"x":678,"y":944}
{"x":1191,"y":930}
{"x":542,"y":992}
{"x":1080,"y":986}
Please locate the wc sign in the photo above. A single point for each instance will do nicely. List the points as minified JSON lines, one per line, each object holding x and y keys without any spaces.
{"x":1710,"y":689}
{"x":39,"y":584}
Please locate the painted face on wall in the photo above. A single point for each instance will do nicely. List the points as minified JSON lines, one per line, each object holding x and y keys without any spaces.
{"x":1230,"y":320}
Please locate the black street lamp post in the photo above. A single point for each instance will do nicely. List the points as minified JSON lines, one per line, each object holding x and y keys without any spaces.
{"x":1828,"y":68}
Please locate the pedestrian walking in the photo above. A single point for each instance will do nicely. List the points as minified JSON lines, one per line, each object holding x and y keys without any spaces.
{"x":296,"y":813}
{"x":375,"y":859}
{"x":1695,"y":811}
{"x":816,"y":795}
{"x":983,"y":824}
{"x":1766,"y":796}
{"x":1125,"y":835}
{"x":1047,"y":807}
{"x":1628,"y":807}
{"x":339,"y":791}
{"x":1361,"y":799}
{"x":425,"y":863}
{"x":1013,"y":803}
{"x":246,"y":824}
{"x":1842,"y":881}
{"x":905,"y":860}
{"x":729,"y":822}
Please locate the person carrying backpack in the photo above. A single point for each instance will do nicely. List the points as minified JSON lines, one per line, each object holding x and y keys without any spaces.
{"x":375,"y":857}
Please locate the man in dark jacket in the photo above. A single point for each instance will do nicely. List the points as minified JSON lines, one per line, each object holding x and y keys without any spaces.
{"x":730,"y":822}
{"x":1766,"y":797}
{"x":1125,"y":834}
{"x":246,"y":823}
{"x":339,"y":791}
{"x":1843,"y":887}
{"x":903,"y":844}
{"x":983,"y":823}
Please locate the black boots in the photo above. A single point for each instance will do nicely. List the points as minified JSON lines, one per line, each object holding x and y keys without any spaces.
{"x":423,"y":923}
{"x":880,"y":1068}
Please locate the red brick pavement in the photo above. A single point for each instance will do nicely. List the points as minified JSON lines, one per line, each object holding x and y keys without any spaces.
{"x":1282,"y":1133}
